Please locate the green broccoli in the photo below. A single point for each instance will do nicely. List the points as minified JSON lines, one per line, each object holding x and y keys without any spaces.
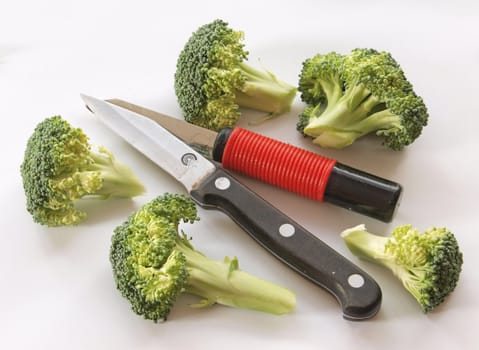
{"x":349,"y":96}
{"x":153,"y":263}
{"x":212,"y":80}
{"x":60,"y":167}
{"x":427,"y":263}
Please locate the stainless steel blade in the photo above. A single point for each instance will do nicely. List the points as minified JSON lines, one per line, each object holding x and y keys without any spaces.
{"x":154,"y":141}
{"x":201,"y":139}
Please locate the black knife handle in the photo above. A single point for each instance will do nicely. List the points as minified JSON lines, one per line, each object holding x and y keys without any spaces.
{"x":358,"y":294}
{"x":306,"y":173}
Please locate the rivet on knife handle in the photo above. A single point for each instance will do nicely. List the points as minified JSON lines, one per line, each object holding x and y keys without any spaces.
{"x":358,"y":294}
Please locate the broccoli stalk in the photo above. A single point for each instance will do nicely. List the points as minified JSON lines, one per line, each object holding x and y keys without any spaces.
{"x":59,"y":168}
{"x":357,"y":94}
{"x":427,"y":263}
{"x":224,"y":283}
{"x":347,"y":118}
{"x":263,"y":91}
{"x":153,"y":263}
{"x":212,"y":80}
{"x":117,"y":179}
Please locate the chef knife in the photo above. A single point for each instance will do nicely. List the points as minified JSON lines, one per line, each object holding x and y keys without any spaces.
{"x":214,"y":188}
{"x":286,"y":166}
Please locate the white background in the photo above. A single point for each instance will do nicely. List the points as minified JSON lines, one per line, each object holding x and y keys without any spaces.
{"x":56,"y":285}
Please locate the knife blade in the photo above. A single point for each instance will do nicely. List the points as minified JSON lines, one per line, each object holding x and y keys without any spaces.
{"x":285,"y":166}
{"x":214,"y":188}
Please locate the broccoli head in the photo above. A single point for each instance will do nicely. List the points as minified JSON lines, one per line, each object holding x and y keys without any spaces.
{"x":59,"y":167}
{"x":212,"y":80}
{"x":427,"y":263}
{"x":153,"y":263}
{"x":349,"y":96}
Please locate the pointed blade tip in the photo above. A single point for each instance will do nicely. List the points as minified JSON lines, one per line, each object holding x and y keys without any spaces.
{"x":89,"y":102}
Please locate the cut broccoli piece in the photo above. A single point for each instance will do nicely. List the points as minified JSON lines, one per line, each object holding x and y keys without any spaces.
{"x":153,"y":263}
{"x":59,"y":167}
{"x":212,"y":80}
{"x":356,"y":94}
{"x":427,"y":263}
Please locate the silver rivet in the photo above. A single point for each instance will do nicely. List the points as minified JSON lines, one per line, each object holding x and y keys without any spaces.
{"x":356,"y":280}
{"x":286,"y":230}
{"x":222,"y":183}
{"x":188,"y":158}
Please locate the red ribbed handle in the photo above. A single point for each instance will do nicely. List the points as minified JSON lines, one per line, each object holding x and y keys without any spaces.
{"x":277,"y":163}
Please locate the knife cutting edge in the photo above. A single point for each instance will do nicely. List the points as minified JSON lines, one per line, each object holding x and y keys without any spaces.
{"x":285,"y":166}
{"x":214,"y":188}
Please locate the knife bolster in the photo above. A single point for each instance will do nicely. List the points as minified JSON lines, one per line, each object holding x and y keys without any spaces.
{"x":220,"y":144}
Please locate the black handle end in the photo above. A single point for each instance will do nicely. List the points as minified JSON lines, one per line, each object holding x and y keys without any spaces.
{"x":360,"y":310}
{"x":362,"y":192}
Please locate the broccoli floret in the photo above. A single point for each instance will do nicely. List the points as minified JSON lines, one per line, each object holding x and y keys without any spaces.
{"x":60,"y":167}
{"x":212,"y":80}
{"x":153,"y":263}
{"x":427,"y":263}
{"x":352,"y":95}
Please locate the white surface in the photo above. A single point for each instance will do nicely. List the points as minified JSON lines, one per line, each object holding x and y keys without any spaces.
{"x":57,"y":290}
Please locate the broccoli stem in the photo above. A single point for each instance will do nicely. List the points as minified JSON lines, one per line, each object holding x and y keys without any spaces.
{"x":336,"y":138}
{"x":118,"y":179}
{"x":223,"y":283}
{"x":372,"y":247}
{"x":354,"y":114}
{"x":365,"y":245}
{"x":332,"y":89}
{"x":264,"y":92}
